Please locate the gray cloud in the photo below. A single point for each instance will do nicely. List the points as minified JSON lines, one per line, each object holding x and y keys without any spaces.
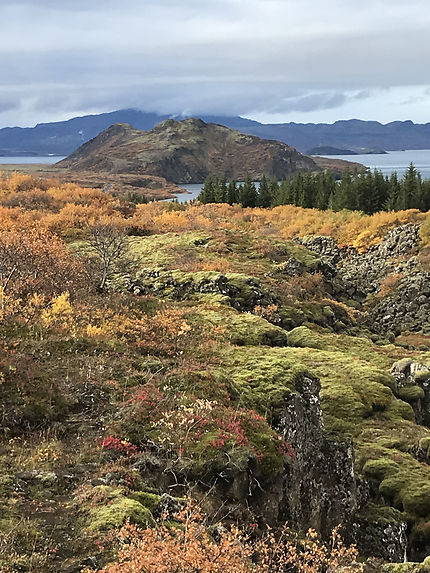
{"x":224,"y":56}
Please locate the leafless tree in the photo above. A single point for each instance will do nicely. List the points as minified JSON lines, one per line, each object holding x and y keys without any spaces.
{"x":110,"y":246}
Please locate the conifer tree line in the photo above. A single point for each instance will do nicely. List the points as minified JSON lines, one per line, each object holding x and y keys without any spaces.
{"x":365,"y":191}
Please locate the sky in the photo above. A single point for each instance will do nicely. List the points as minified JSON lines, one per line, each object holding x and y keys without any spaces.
{"x":270,"y":60}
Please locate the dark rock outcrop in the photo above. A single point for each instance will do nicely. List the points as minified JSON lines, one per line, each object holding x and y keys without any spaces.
{"x":407,"y":308}
{"x":320,"y":486}
{"x":242,"y":292}
{"x":320,"y":489}
{"x":355,"y":276}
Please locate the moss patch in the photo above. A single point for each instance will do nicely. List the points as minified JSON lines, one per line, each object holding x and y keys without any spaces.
{"x":117,"y":512}
{"x":241,"y":329}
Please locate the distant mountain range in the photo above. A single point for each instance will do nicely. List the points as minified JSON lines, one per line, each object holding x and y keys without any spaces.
{"x":62,"y":138}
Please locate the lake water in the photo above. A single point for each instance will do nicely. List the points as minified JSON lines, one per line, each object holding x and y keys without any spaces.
{"x":393,"y":161}
{"x":45,"y":160}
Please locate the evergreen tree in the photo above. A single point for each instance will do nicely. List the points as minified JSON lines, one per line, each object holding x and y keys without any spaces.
{"x":309,"y":191}
{"x":281,"y":194}
{"x":248,"y":193}
{"x":394,"y":195}
{"x":298,"y":190}
{"x":425,"y":191}
{"x":381,"y":186}
{"x":366,"y":192}
{"x":207,"y":194}
{"x":325,"y":186}
{"x":273,"y":188}
{"x":264,"y":195}
{"x":220,"y":190}
{"x":342,"y":197}
{"x":410,"y":188}
{"x":232,"y":193}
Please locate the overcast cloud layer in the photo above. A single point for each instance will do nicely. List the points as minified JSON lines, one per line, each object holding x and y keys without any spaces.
{"x":272,"y":60}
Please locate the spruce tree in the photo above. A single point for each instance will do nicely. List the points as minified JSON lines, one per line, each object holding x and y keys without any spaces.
{"x":207,"y":194}
{"x":394,"y":195}
{"x":410,"y":188}
{"x":248,"y":193}
{"x":264,"y":195}
{"x":273,"y":188}
{"x":220,"y":190}
{"x":232,"y":193}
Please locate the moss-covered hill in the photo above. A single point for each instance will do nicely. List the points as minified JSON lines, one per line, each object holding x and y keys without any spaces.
{"x":227,"y":362}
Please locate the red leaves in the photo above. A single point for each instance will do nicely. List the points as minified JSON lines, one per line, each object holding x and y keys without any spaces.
{"x":116,"y":444}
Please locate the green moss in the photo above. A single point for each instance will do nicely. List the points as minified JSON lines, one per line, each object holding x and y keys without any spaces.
{"x":148,"y":500}
{"x":242,"y":328}
{"x":117,"y":512}
{"x":354,"y":346}
{"x":352,"y":389}
{"x":381,"y":514}
{"x":402,"y":568}
{"x":403,"y":480}
{"x":411,"y":393}
{"x":260,"y":378}
{"x":163,"y":250}
{"x":416,"y":499}
{"x":380,"y":468}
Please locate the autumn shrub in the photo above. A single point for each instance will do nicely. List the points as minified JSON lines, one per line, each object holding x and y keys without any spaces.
{"x":189,"y":547}
{"x":425,"y":231}
{"x":37,"y":261}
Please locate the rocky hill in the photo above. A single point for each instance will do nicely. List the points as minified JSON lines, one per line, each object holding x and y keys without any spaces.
{"x":187,"y":152}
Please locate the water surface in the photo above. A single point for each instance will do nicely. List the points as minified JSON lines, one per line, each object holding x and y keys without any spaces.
{"x":43,"y":160}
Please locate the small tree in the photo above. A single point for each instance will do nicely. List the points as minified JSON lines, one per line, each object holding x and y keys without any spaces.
{"x":110,"y":246}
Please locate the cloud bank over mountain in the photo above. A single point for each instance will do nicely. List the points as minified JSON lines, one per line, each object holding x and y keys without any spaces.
{"x":274,"y":60}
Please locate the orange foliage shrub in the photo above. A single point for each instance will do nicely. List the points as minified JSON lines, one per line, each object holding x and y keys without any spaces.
{"x":220,"y":266}
{"x":68,"y":209}
{"x":35,"y":261}
{"x":285,"y":221}
{"x":425,"y":231}
{"x":188,"y":548}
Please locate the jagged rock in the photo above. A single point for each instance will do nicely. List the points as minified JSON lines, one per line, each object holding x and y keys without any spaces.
{"x":329,"y":252}
{"x":355,"y":276}
{"x":387,"y":541}
{"x":291,"y":267}
{"x":407,"y":308}
{"x":320,"y":488}
{"x":168,"y":507}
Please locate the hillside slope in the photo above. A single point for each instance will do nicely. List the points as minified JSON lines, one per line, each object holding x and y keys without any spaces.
{"x":187,"y":152}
